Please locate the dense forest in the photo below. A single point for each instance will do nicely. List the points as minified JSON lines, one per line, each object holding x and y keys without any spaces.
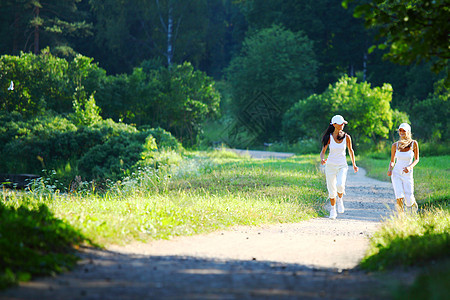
{"x":240,"y":72}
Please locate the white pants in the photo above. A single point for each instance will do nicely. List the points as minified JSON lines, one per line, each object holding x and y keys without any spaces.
{"x":336,"y":176}
{"x":403,"y":184}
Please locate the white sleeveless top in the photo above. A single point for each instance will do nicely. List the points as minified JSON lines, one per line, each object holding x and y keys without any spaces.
{"x":337,"y":152}
{"x":404,"y":159}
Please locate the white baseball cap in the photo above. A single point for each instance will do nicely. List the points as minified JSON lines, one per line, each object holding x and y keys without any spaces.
{"x":338,"y":119}
{"x":405,"y":126}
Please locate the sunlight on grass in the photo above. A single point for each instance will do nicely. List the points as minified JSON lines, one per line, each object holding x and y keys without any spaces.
{"x":410,"y":239}
{"x":202,"y":194}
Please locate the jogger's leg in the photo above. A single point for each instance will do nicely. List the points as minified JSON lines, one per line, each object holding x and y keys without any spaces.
{"x":341,"y":178}
{"x":331,"y":174}
{"x":399,"y":205}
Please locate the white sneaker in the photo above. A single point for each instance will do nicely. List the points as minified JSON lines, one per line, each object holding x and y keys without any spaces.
{"x":340,"y":205}
{"x":333,"y":213}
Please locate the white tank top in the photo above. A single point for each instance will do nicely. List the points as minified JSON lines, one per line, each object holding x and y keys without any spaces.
{"x":404,"y":159}
{"x":337,"y":152}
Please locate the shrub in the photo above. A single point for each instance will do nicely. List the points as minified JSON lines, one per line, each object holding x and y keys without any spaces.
{"x":29,"y":146}
{"x":430,"y":117}
{"x":163,"y":138}
{"x":45,"y":82}
{"x":112,"y":159}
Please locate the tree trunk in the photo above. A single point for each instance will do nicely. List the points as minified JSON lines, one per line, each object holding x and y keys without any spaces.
{"x":365,"y":66}
{"x":36,"y":33}
{"x":15,"y":46}
{"x":170,"y":36}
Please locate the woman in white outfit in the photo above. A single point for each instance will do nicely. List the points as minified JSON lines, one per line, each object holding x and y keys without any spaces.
{"x":336,"y":164}
{"x":404,"y":156}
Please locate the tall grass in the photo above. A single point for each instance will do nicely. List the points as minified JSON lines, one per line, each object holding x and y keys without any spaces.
{"x":205,"y":192}
{"x":410,"y":239}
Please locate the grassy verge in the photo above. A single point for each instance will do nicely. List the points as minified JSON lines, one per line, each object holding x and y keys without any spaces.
{"x":201,"y":195}
{"x":416,"y":240}
{"x":206,"y":192}
{"x":408,"y":240}
{"x":33,"y":242}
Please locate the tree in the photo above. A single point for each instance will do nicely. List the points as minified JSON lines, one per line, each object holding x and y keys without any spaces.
{"x":367,"y":110}
{"x":280,"y":64}
{"x":411,"y":30}
{"x":340,"y":41}
{"x":430,"y":116}
{"x":138,"y":30}
{"x":185,"y":98}
{"x":31,"y":25}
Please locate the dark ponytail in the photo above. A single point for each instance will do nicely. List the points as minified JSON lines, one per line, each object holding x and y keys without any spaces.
{"x":326,"y":135}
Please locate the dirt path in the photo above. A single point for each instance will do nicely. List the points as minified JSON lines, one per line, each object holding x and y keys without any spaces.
{"x":315,"y":259}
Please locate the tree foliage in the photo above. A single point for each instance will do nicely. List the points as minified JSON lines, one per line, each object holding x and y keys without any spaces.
{"x":430,"y":116}
{"x":177,"y":99}
{"x":340,"y":41}
{"x":45,"y":82}
{"x":279,"y":63}
{"x":32,"y":25}
{"x":367,"y":110}
{"x":411,"y":30}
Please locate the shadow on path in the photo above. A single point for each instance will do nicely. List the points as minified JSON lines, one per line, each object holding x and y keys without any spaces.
{"x":111,"y":275}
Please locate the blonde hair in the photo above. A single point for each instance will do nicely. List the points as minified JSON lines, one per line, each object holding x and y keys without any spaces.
{"x":405,"y":142}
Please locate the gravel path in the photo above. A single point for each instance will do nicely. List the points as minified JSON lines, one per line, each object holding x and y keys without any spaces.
{"x":315,"y":259}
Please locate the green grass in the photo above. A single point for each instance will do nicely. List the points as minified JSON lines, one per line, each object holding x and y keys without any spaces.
{"x":200,"y":196}
{"x":410,"y":239}
{"x":33,"y":242}
{"x":431,"y":177}
{"x":206,"y":192}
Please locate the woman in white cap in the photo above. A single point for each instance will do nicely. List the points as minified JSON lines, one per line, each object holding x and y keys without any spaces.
{"x":404,"y":156}
{"x":336,"y":164}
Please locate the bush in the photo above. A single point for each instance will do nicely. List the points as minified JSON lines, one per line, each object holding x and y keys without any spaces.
{"x":178,"y":99}
{"x":112,"y":159}
{"x":430,"y":117}
{"x":45,"y":82}
{"x":29,"y":146}
{"x":48,"y":141}
{"x":164,"y":140}
{"x":102,"y":150}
